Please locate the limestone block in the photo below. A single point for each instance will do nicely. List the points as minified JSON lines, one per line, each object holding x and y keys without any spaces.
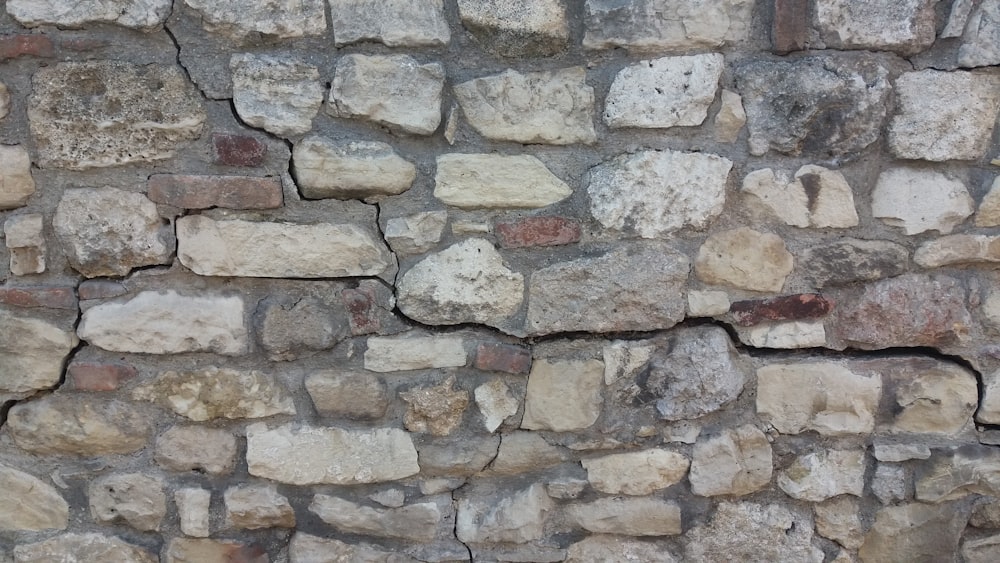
{"x":134,"y":498}
{"x":80,"y":425}
{"x":665,"y":25}
{"x":665,"y":92}
{"x":26,"y":242}
{"x":213,"y":393}
{"x":192,"y":510}
{"x":355,"y":395}
{"x":82,"y":547}
{"x":196,"y":448}
{"x":563,"y":395}
{"x":477,"y":181}
{"x":16,"y":182}
{"x":387,"y":354}
{"x":747,"y":532}
{"x":636,"y":473}
{"x":32,"y":353}
{"x":137,"y":14}
{"x":281,"y":95}
{"x":906,"y":27}
{"x":913,"y":531}
{"x":981,"y":36}
{"x":325,"y":168}
{"x":417,"y":233}
{"x":242,"y":21}
{"x":514,"y":516}
{"x":826,"y":397}
{"x":517,"y":28}
{"x":737,"y":461}
{"x":644,"y":516}
{"x":436,"y":409}
{"x":396,"y":23}
{"x":825,"y":474}
{"x":745,"y":259}
{"x":252,"y":507}
{"x":416,"y":522}
{"x":30,"y":504}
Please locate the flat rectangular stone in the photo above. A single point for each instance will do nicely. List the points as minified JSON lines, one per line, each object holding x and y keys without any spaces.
{"x":791,"y":26}
{"x":98,"y":376}
{"x":100,"y":289}
{"x":24,"y":45}
{"x":538,"y":231}
{"x":48,"y":297}
{"x":491,"y":356}
{"x":387,"y":354}
{"x":237,"y":150}
{"x":203,"y":192}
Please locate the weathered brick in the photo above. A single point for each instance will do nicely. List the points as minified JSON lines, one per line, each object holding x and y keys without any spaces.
{"x":785,"y":308}
{"x":203,"y":192}
{"x":14,"y":46}
{"x":503,"y":357}
{"x":237,"y":150}
{"x":791,"y":25}
{"x":97,"y":376}
{"x":100,"y":289}
{"x":50,"y":297}
{"x":538,"y":231}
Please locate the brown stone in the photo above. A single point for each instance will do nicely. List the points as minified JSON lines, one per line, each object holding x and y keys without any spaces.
{"x":96,"y":376}
{"x":791,"y":26}
{"x":237,"y":150}
{"x":503,"y":357}
{"x":100,"y":289}
{"x":538,"y":231}
{"x":183,"y":550}
{"x":14,"y":46}
{"x":436,"y":409}
{"x":203,"y":192}
{"x":785,"y":308}
{"x":49,"y":297}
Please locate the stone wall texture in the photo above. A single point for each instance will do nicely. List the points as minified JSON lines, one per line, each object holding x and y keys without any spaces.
{"x":316,"y":281}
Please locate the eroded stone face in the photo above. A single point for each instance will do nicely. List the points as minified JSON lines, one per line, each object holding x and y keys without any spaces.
{"x":826,"y":397}
{"x":818,"y":476}
{"x":664,"y":92}
{"x":325,"y":168}
{"x":563,"y":395}
{"x":906,"y":26}
{"x":282,"y":19}
{"x":81,"y":425}
{"x":32,"y":352}
{"x":82,"y":547}
{"x":736,"y":462}
{"x":416,"y":522}
{"x":665,"y":25}
{"x":912,"y":531}
{"x":218,"y":393}
{"x":16,"y":182}
{"x":636,"y":473}
{"x":139,"y":14}
{"x":134,"y":498}
{"x":747,"y":531}
{"x":516,"y":517}
{"x":30,"y":505}
{"x":278,"y":94}
{"x":396,"y":23}
{"x":643,"y":516}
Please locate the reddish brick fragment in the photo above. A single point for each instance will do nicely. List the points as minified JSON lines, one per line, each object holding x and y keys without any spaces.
{"x":360,"y":303}
{"x":503,"y":357}
{"x":237,"y":150}
{"x":49,"y":297}
{"x":14,"y":46}
{"x":95,"y":376}
{"x":785,"y":308}
{"x":101,"y":289}
{"x":791,"y":26}
{"x":203,"y":192}
{"x":538,"y":231}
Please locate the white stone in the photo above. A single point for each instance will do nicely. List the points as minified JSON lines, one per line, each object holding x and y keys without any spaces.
{"x":496,"y":403}
{"x":368,"y":87}
{"x":392,"y":353}
{"x":624,"y":359}
{"x":32,"y":353}
{"x":988,"y":214}
{"x":636,"y":473}
{"x":416,"y":522}
{"x":707,"y":303}
{"x":920,"y":200}
{"x":786,"y":335}
{"x":815,"y":197}
{"x":780,"y":197}
{"x":307,"y":455}
{"x":982,"y":34}
{"x":26,"y":242}
{"x":196,"y":448}
{"x":825,"y":397}
{"x":133,"y":498}
{"x":279,"y":250}
{"x":644,"y":516}
{"x":167,"y":323}
{"x":550,"y":107}
{"x":745,"y":259}
{"x":889,"y":483}
{"x":30,"y":505}
{"x":396,"y":23}
{"x":283,"y":19}
{"x":192,"y":510}
{"x":731,"y":117}
{"x":900,"y":452}
{"x":16,"y":182}
{"x":736,"y":462}
{"x":658,"y":192}
{"x":665,"y":92}
{"x":361,"y":169}
{"x":818,"y":476}
{"x":563,"y":395}
{"x":278,"y":94}
{"x":465,"y":283}
{"x":492,"y":181}
{"x":256,"y":506}
{"x":139,"y":14}
{"x":666,"y":25}
{"x":517,"y":28}
{"x":517,"y":517}
{"x":904,"y":26}
{"x":417,"y":233}
{"x":839,"y":519}
{"x":944,"y":115}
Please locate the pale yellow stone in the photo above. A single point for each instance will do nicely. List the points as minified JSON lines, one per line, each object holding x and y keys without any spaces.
{"x":636,"y":473}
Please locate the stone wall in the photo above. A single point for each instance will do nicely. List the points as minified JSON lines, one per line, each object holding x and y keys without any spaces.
{"x":499,"y":280}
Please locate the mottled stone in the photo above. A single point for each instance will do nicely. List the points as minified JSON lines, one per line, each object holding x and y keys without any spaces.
{"x":986,"y":515}
{"x":367,"y":87}
{"x":417,"y":233}
{"x":196,"y":448}
{"x":848,"y":260}
{"x":82,"y":548}
{"x":522,"y":452}
{"x":396,"y":23}
{"x":436,"y":409}
{"x":109,"y":232}
{"x":26,"y":242}
{"x":665,"y":25}
{"x":100,"y":289}
{"x":785,"y":335}
{"x":244,"y":21}
{"x":238,"y":150}
{"x":889,"y":484}
{"x":826,"y":397}
{"x":658,"y":192}
{"x":82,"y":425}
{"x":213,"y":393}
{"x":204,"y":192}
{"x":753,"y":532}
{"x":167,"y":323}
{"x":134,"y":498}
{"x":496,"y":403}
{"x":347,"y":394}
{"x":416,"y":522}
{"x":538,"y":231}
{"x":900,"y":452}
{"x":192,"y":510}
{"x":906,"y":26}
{"x":839,"y":519}
{"x":982,"y":33}
{"x":107,"y":113}
{"x":305,"y":548}
{"x":636,"y":473}
{"x":307,"y":455}
{"x":30,"y":504}
{"x":737,"y":461}
{"x":508,"y":516}
{"x":489,"y":181}
{"x":816,"y":197}
{"x":183,"y":550}
{"x":665,"y":92}
{"x":644,"y":516}
{"x":457,"y":456}
{"x":927,"y":396}
{"x":744,"y":258}
{"x":517,"y":28}
{"x":563,"y":395}
{"x":387,"y":354}
{"x":32,"y":352}
{"x":913,"y":532}
{"x":26,"y":45}
{"x":625,"y":358}
{"x":252,"y":507}
{"x":549,"y":107}
{"x":944,"y":115}
{"x":292,"y":327}
{"x":507,"y":358}
{"x":617,"y":548}
{"x":638,"y":286}
{"x":920,"y":200}
{"x":790,"y":28}
{"x":958,"y":472}
{"x":983,"y":550}
{"x":363,"y":169}
{"x":16,"y":182}
{"x":138,"y":14}
{"x":281,"y":95}
{"x":825,"y":474}
{"x":465,"y":283}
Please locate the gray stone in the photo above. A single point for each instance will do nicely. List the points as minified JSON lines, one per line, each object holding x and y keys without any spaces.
{"x":913,"y":532}
{"x":549,"y":107}
{"x":848,"y":260}
{"x":665,"y":25}
{"x":824,"y":396}
{"x":134,"y":498}
{"x":307,"y":455}
{"x":906,"y":27}
{"x":409,"y":352}
{"x":983,"y":550}
{"x":278,"y":94}
{"x":354,"y":395}
{"x":658,"y":192}
{"x":478,"y":181}
{"x":437,"y":409}
{"x":212,"y":393}
{"x":196,"y":448}
{"x":563,"y":395}
{"x":889,"y":483}
{"x":292,"y":327}
{"x":107,"y":113}
{"x":617,"y":549}
{"x":82,"y":548}
{"x":192,"y":510}
{"x":496,"y":403}
{"x":900,"y":452}
{"x":517,"y":28}
{"x":305,"y":548}
{"x":665,"y":92}
{"x":514,"y":517}
{"x":753,"y":532}
{"x":167,"y":323}
{"x":644,"y":516}
{"x":283,"y":19}
{"x":457,"y":456}
{"x":417,"y":233}
{"x":396,"y":23}
{"x":26,"y":241}
{"x":828,"y":106}
{"x":839,"y":519}
{"x":521,"y":452}
{"x":745,"y":259}
{"x":367,"y":87}
{"x":16,"y":182}
{"x":391,"y":498}
{"x":30,"y":504}
{"x":183,"y":550}
{"x":109,"y":232}
{"x":139,"y":14}
{"x":982,"y":35}
{"x":737,"y":461}
{"x":252,"y":507}
{"x":636,"y":473}
{"x":958,"y":472}
{"x":920,"y":200}
{"x":362,"y":169}
{"x":81,"y":425}
{"x":927,"y":396}
{"x":32,"y":353}
{"x":986,"y":514}
{"x":957,"y":18}
{"x":416,"y":522}
{"x":944,"y":115}
{"x":465,"y":283}
{"x":638,"y":286}
{"x":818,"y":476}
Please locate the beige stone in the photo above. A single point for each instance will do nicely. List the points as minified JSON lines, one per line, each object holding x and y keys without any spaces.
{"x":958,"y":249}
{"x":920,"y":200}
{"x":184,"y":550}
{"x":839,"y":519}
{"x":139,"y":14}
{"x":437,"y":410}
{"x":786,"y":335}
{"x":134,"y":498}
{"x":982,"y":550}
{"x":826,"y":397}
{"x":627,"y":516}
{"x":988,"y":214}
{"x":753,"y":532}
{"x":32,"y":352}
{"x":664,"y":92}
{"x":283,"y":19}
{"x":508,"y":516}
{"x":80,"y":548}
{"x":416,"y":522}
{"x":624,"y":359}
{"x":349,"y":394}
{"x":4,"y":100}
{"x":958,"y":472}
{"x":731,"y":118}
{"x":929,"y":396}
{"x":16,"y":182}
{"x":417,"y":233}
{"x":707,"y":303}
{"x":737,"y":461}
{"x":325,"y":168}
{"x":395,"y":23}
{"x":816,"y":197}
{"x":617,"y":549}
{"x":281,"y":95}
{"x":26,"y":242}
{"x":404,"y":353}
{"x":305,"y":548}
{"x":196,"y":448}
{"x":913,"y":532}
{"x":252,"y":507}
{"x":666,"y":25}
{"x":521,"y":452}
{"x":496,"y":403}
{"x":818,"y":476}
{"x":29,"y":503}
{"x":745,"y":259}
{"x":217,"y":393}
{"x":493,"y":181}
{"x":81,"y":425}
{"x":636,"y":473}
{"x":563,"y":395}
{"x":193,"y":504}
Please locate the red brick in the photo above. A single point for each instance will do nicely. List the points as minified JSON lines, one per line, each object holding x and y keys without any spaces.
{"x":101,"y":289}
{"x":49,"y":297}
{"x":797,"y":307}
{"x":203,"y":192}
{"x":360,"y":303}
{"x":14,"y":46}
{"x":538,"y":231}
{"x":503,"y":357}
{"x":791,"y":25}
{"x":237,"y":150}
{"x":95,"y":376}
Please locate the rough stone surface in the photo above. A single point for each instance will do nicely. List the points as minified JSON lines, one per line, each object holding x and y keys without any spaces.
{"x":417,"y":233}
{"x":617,"y":548}
{"x":309,"y":455}
{"x":217,"y":393}
{"x":465,"y":283}
{"x":517,"y":28}
{"x":16,"y":182}
{"x":658,"y":192}
{"x":252,"y":507}
{"x":138,"y":14}
{"x":636,"y":473}
{"x":204,"y":192}
{"x":664,"y":25}
{"x":108,"y":232}
{"x":396,"y":23}
{"x":364,"y":169}
{"x":352,"y":395}
{"x":78,"y":548}
{"x":437,"y":409}
{"x":515,"y":517}
{"x":134,"y":498}
{"x":417,"y":522}
{"x":839,"y":519}
{"x":538,"y":231}
{"x":32,"y":353}
{"x":278,"y":94}
{"x":944,"y":115}
{"x":367,"y":87}
{"x":635,"y":287}
{"x":920,"y":200}
{"x":31,"y":504}
{"x":822,"y":475}
{"x":183,"y":550}
{"x":478,"y":181}
{"x":913,"y":532}
{"x":192,"y":510}
{"x":282,"y":19}
{"x":958,"y":472}
{"x":889,"y":484}
{"x":735,"y":462}
{"x":815,"y":197}
{"x":958,"y":249}
{"x":167,"y":323}
{"x":293,"y":328}
{"x":563,"y":395}
{"x":748,"y":532}
{"x":982,"y":32}
{"x":664,"y":92}
{"x":731,"y":118}
{"x":787,"y":335}
{"x":275,"y":250}
{"x":107,"y":113}
{"x":305,"y":548}
{"x":521,"y":452}
{"x":982,"y":550}
{"x":988,"y":214}
{"x":745,"y":259}
{"x":387,"y":354}
{"x":645,"y":516}
{"x":826,"y":397}
{"x":928,"y":396}
{"x":850,"y":260}
{"x":238,"y":150}
{"x":552,"y":107}
{"x":906,"y":27}
{"x":81,"y":425}
{"x":196,"y":448}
